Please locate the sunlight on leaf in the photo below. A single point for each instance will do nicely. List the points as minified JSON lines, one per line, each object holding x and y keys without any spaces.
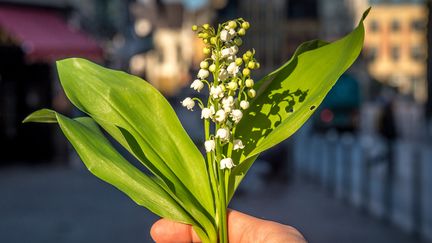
{"x":288,"y":96}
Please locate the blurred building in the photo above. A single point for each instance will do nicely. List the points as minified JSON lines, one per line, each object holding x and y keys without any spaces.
{"x":175,"y":50}
{"x":396,"y":46}
{"x":33,"y":35}
{"x":278,"y":28}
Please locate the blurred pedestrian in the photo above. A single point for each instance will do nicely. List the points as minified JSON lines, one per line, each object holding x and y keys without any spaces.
{"x":387,"y":129}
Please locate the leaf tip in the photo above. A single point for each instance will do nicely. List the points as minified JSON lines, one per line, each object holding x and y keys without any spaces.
{"x":42,"y":116}
{"x":365,"y":13}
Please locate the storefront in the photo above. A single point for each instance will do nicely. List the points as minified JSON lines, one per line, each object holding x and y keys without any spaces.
{"x":31,"y":40}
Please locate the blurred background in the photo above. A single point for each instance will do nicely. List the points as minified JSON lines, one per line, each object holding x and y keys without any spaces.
{"x":358,"y":171}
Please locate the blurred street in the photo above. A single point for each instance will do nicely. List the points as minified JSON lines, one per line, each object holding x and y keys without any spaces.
{"x":46,"y":204}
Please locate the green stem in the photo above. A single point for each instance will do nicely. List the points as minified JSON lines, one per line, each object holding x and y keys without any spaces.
{"x":210,"y":165}
{"x":222,"y":207}
{"x":223,"y":230}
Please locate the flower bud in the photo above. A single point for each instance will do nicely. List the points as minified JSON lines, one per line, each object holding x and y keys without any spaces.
{"x":194,"y":27}
{"x":245,"y":57}
{"x":204,"y":65}
{"x":251,"y":93}
{"x":248,"y":53}
{"x":238,"y":41}
{"x":238,"y":61}
{"x":245,"y":25}
{"x":241,"y":32}
{"x":244,"y":104}
{"x":249,"y":83}
{"x":257,"y":65}
{"x":213,"y":40}
{"x":232,"y":85}
{"x":206,"y":50}
{"x":206,"y":26}
{"x":212,"y":68}
{"x":246,"y":71}
{"x":251,"y":65}
{"x":232,"y":24}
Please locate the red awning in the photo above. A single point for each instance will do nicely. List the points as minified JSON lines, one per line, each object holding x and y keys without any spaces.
{"x":45,"y":36}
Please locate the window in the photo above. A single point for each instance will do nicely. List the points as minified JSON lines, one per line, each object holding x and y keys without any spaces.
{"x":395,"y":53}
{"x":418,"y":25}
{"x":374,"y":26}
{"x":418,"y":53}
{"x":371,"y":53}
{"x":395,"y":25}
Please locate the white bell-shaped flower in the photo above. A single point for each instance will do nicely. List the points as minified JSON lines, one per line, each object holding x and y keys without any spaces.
{"x":238,"y":144}
{"x":226,"y":52}
{"x":234,"y":50}
{"x":203,"y":73}
{"x":226,"y":35}
{"x":209,"y":145}
{"x":228,"y":103}
{"x":216,"y":92}
{"x":223,"y":74}
{"x":233,"y":69}
{"x":189,"y":103}
{"x":226,"y":163}
{"x":197,"y":85}
{"x":207,"y":112}
{"x":223,"y":134}
{"x":220,"y":116}
{"x":244,"y":104}
{"x":232,"y":32}
{"x":236,"y":115}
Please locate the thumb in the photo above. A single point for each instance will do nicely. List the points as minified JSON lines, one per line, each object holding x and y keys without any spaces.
{"x":165,"y":230}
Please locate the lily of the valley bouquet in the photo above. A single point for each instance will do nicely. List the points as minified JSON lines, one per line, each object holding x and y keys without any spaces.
{"x":241,"y":118}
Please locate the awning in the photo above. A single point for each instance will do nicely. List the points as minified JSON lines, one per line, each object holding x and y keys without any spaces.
{"x":45,"y":36}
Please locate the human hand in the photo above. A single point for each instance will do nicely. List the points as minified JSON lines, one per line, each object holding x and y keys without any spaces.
{"x":242,"y":228}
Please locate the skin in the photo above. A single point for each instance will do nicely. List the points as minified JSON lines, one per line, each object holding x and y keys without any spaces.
{"x":242,"y":228}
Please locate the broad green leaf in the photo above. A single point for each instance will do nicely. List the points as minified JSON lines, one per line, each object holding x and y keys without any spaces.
{"x":288,"y":96}
{"x":140,"y":118}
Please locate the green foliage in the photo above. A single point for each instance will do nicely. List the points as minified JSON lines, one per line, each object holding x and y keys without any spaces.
{"x":288,"y":96}
{"x":136,"y":115}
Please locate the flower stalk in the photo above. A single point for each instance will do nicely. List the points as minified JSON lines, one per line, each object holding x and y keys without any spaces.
{"x":227,"y":74}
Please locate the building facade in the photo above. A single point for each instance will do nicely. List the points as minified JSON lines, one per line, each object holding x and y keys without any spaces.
{"x":396,"y":47}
